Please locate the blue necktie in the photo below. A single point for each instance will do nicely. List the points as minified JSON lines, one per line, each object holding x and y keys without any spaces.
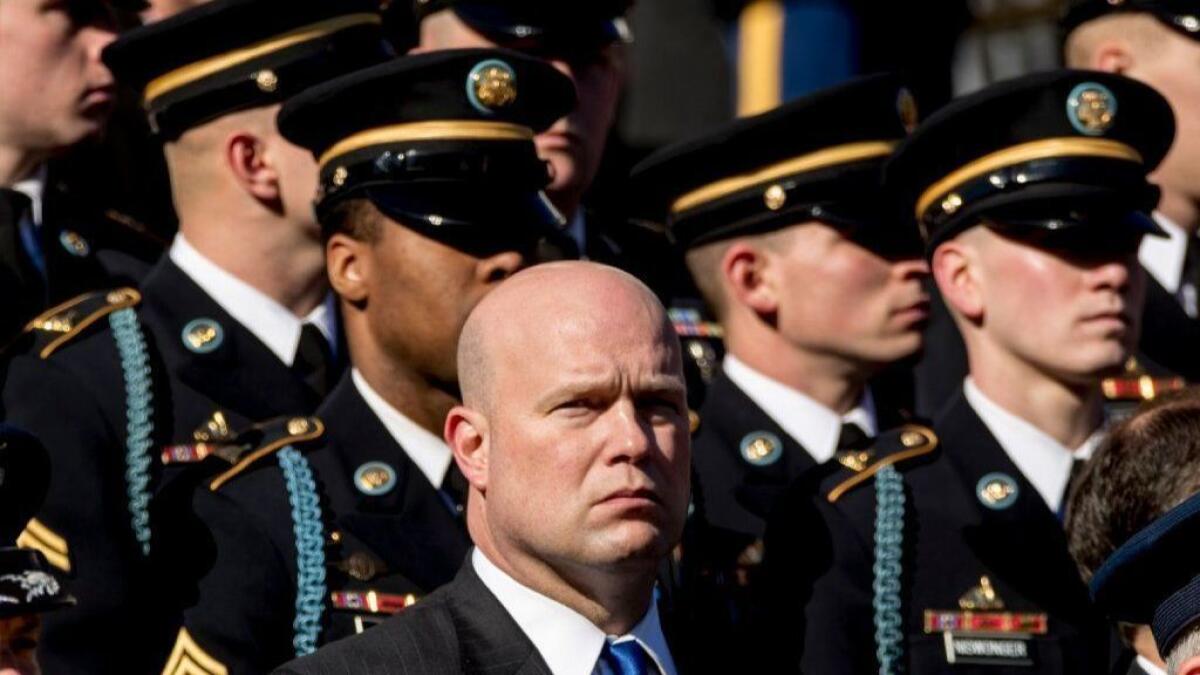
{"x":626,"y":658}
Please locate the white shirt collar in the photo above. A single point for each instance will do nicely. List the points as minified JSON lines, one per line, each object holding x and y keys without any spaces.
{"x":429,"y":452}
{"x":814,"y":426}
{"x":1150,"y":668}
{"x":268,"y":320}
{"x":567,"y":642}
{"x":1163,"y":257}
{"x":1044,"y":462}
{"x":34,"y":188}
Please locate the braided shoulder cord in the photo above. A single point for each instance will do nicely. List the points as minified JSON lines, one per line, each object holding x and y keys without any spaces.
{"x":889,"y":541}
{"x":139,"y":413}
{"x":310,"y":549}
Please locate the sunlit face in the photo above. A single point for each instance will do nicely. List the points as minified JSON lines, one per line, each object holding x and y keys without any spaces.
{"x":1074,"y":318}
{"x":56,"y":91}
{"x":588,"y":460}
{"x":836,"y":297}
{"x":18,"y":645}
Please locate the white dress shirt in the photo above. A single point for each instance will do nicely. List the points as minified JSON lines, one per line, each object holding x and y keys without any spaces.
{"x":1044,"y":462}
{"x":1164,"y":258}
{"x":429,"y":452}
{"x":568,"y":642}
{"x":1150,"y":668}
{"x":34,"y":188}
{"x":814,"y":426}
{"x":272,"y":323}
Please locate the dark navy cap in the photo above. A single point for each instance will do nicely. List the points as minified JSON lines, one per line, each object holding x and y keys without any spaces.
{"x":229,"y":55}
{"x":28,"y":585}
{"x":1181,"y":15}
{"x":540,"y":25}
{"x":1154,"y":578}
{"x":1052,"y":157}
{"x":815,"y":158}
{"x":440,"y":141}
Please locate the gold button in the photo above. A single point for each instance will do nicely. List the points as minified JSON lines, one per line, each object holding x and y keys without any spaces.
{"x":297,"y":426}
{"x":775,"y":197}
{"x":952,"y":203}
{"x":911,"y":439}
{"x":266,"y":80}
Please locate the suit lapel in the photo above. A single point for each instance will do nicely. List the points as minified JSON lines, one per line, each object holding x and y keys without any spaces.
{"x":409,"y":526}
{"x":1023,"y":544}
{"x":240,"y":374}
{"x":487,"y":633}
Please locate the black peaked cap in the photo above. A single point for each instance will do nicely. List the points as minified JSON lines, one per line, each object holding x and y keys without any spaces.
{"x":1181,"y":15}
{"x":549,"y":23}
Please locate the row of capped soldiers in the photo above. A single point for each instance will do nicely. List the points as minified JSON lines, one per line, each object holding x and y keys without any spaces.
{"x":245,"y":442}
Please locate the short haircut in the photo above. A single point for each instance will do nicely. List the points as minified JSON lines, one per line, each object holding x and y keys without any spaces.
{"x":356,"y":218}
{"x":1140,"y":30}
{"x":704,"y":264}
{"x":1184,"y":648}
{"x":1149,"y":464}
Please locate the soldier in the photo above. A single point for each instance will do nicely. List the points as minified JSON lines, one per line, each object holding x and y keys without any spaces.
{"x":817,"y":286}
{"x":1033,"y":197}
{"x":28,"y":585}
{"x":57,"y":94}
{"x":1147,"y":40}
{"x":231,"y":326}
{"x":430,"y":195}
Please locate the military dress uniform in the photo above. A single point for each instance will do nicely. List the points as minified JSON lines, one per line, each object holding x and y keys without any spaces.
{"x":384,"y":523}
{"x":982,"y":580}
{"x":110,"y":378}
{"x":818,"y":158}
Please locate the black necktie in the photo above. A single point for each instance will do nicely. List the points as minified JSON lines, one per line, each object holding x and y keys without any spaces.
{"x":1077,"y":466}
{"x":1191,"y":267}
{"x":454,"y":489}
{"x":853,"y":438}
{"x":314,"y":359}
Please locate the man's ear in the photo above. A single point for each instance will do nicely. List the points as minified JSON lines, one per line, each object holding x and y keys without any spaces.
{"x":1112,"y":55}
{"x":466,"y":432}
{"x":1189,"y":667}
{"x":246,"y":158}
{"x":749,"y":278}
{"x":955,"y":267}
{"x":348,"y":263}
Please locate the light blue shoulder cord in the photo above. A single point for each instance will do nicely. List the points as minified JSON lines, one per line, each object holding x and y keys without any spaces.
{"x":139,"y":412}
{"x":310,"y":548}
{"x":889,"y":546}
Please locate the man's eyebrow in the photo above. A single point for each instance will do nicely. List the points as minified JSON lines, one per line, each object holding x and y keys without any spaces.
{"x":662,"y":384}
{"x":574,"y":387}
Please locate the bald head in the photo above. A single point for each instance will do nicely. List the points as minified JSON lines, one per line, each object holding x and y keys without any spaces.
{"x":553,"y":300}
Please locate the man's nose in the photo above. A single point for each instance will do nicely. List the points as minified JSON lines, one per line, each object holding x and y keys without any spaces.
{"x":633,"y":435}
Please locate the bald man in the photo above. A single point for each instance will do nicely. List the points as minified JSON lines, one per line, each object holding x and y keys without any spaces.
{"x":578,"y":469}
{"x":1149,"y":40}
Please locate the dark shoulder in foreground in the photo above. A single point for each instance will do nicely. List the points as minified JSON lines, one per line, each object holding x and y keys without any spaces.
{"x":422,"y":639}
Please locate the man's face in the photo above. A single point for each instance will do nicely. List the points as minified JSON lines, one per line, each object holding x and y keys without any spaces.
{"x":574,"y":146}
{"x":56,"y":91}
{"x":836,"y":297}
{"x":1173,"y":68}
{"x":18,"y":645}
{"x":588,"y":460}
{"x":421,"y":292}
{"x":1074,"y":317}
{"x":298,"y":179}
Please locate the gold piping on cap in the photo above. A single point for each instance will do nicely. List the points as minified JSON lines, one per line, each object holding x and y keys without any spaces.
{"x":1026,"y":152}
{"x":164,"y":84}
{"x":839,"y":154}
{"x":471,"y":130}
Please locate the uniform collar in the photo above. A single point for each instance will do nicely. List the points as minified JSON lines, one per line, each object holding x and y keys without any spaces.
{"x":1150,"y":668}
{"x":1164,"y":257}
{"x":430,"y":453}
{"x":814,"y":426}
{"x":34,"y":188}
{"x":1045,"y":462}
{"x":568,"y":642}
{"x":272,"y":323}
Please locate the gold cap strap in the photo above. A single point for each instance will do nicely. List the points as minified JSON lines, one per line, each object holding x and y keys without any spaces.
{"x":444,"y":130}
{"x":179,"y":77}
{"x":840,"y":154}
{"x":1026,"y":152}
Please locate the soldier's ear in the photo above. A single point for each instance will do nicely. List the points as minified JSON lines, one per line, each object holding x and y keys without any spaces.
{"x":246,"y":159}
{"x":466,"y":433}
{"x":955,"y":269}
{"x":348,"y":264}
{"x":1189,"y":667}
{"x":744,"y":268}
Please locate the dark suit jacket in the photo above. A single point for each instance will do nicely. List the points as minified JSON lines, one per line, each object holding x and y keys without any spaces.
{"x":241,"y":612}
{"x":461,"y":628}
{"x":1169,"y":335}
{"x":818,"y":568}
{"x":75,"y":402}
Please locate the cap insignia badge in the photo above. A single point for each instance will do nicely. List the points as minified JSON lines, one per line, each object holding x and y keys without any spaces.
{"x":492,"y":85}
{"x":761,"y":448}
{"x":1091,"y":108}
